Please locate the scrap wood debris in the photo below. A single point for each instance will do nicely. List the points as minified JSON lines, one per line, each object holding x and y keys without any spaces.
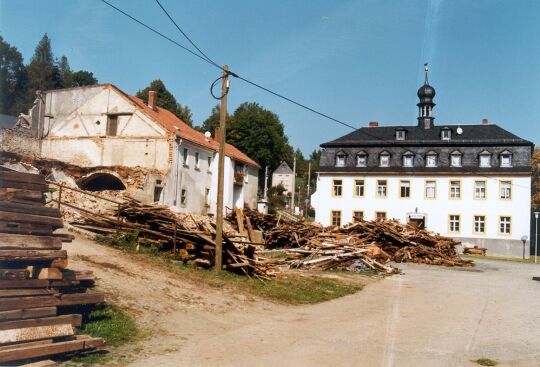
{"x":190,"y":237}
{"x":363,"y":245}
{"x":37,"y":291}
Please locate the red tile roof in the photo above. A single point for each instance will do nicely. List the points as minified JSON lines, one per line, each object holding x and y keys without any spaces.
{"x":178,"y":127}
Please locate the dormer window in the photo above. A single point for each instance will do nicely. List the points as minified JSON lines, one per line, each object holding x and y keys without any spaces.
{"x":506,"y":159}
{"x":408,"y":158}
{"x":485,"y":159}
{"x":341,"y":158}
{"x":361,"y":159}
{"x":384,"y":159}
{"x":446,"y":134}
{"x":431,"y":159}
{"x":455,"y":159}
{"x":400,"y":134}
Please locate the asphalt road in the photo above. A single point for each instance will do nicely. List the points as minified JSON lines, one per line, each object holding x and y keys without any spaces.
{"x":428,"y":316}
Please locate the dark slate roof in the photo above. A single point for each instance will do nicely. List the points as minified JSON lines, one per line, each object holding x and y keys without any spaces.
{"x":415,"y":135}
{"x":426,"y":170}
{"x":283,"y":169}
{"x":7,"y":121}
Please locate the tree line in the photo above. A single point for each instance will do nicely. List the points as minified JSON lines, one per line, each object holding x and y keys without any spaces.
{"x":253,"y":129}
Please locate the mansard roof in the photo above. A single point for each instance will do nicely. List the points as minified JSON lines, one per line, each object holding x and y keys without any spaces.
{"x":471,"y":135}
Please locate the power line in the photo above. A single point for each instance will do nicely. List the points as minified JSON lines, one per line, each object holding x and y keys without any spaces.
{"x":205,"y":58}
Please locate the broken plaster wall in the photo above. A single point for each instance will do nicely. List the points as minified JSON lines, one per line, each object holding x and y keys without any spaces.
{"x":18,"y":142}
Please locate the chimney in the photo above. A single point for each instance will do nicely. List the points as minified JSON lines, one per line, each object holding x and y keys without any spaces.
{"x":485,"y":121}
{"x":217,"y":135}
{"x":152,"y":98}
{"x":373,"y":124}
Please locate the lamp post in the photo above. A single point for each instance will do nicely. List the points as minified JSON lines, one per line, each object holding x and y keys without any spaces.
{"x":536,"y":237}
{"x":524,"y":239}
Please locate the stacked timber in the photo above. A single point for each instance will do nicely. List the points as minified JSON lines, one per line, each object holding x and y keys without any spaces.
{"x":36,"y":287}
{"x":190,"y":239}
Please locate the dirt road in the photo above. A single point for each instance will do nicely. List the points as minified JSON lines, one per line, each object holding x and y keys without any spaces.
{"x":428,"y":316}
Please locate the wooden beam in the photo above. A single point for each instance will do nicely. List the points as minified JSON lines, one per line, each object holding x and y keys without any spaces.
{"x":27,"y":283}
{"x":10,"y":241}
{"x":27,"y":313}
{"x":4,"y":293}
{"x":7,"y":226}
{"x":74,"y":319}
{"x":14,"y":274}
{"x":35,"y":209}
{"x":30,"y":218}
{"x":32,"y":255}
{"x":35,"y":332}
{"x":49,"y":349}
{"x":81,"y":299}
{"x":28,"y":302}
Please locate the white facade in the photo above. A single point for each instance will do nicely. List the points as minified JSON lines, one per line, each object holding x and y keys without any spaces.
{"x":469,"y":206}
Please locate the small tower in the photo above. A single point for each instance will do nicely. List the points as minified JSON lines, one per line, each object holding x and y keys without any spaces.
{"x":425,"y":106}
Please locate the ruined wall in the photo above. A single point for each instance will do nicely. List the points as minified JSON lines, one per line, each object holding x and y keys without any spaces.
{"x":18,"y":142}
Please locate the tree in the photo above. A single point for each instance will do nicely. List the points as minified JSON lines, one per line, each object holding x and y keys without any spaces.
{"x":13,"y":80}
{"x":535,"y":163}
{"x":276,"y":198}
{"x":43,"y":71}
{"x":81,"y":78}
{"x":65,"y":72}
{"x":212,"y":122}
{"x":166,"y":100}
{"x":259,"y":133}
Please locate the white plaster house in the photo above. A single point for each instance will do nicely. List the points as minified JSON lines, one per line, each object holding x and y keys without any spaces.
{"x":470,"y":182}
{"x":100,"y":125}
{"x":283,"y":175}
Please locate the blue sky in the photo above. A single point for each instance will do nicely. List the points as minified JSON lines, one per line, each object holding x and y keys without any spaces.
{"x":358,"y":61}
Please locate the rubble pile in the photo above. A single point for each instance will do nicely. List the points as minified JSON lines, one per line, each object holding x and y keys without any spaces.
{"x":185,"y":236}
{"x":363,"y":245}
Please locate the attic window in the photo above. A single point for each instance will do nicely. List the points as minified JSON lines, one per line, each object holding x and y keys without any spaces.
{"x":400,"y":134}
{"x":361,"y":159}
{"x":455,"y":159}
{"x":384,"y":159}
{"x":341,"y":158}
{"x":408,"y":159}
{"x":506,"y":159}
{"x":431,"y":159}
{"x":446,"y":134}
{"x":485,"y":159}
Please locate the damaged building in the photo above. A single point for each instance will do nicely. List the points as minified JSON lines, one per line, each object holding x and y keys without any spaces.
{"x":102,"y":126}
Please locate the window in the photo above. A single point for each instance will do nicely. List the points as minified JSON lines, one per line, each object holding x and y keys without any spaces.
{"x":207,"y":197}
{"x":431,"y":160}
{"x":186,"y":155}
{"x":446,"y":134}
{"x":183,"y":197}
{"x":455,"y":159}
{"x":505,"y":190}
{"x":209,"y":163}
{"x":380,"y":215}
{"x":341,"y":158}
{"x":455,"y":189}
{"x":408,"y":159}
{"x":359,"y":186}
{"x":485,"y":160}
{"x":480,"y":189}
{"x":453,"y":223}
{"x":431,"y":190}
{"x":197,"y":160}
{"x":361,"y":160}
{"x":400,"y":134}
{"x":337,"y":188}
{"x":506,"y":159}
{"x":405,"y":189}
{"x":358,"y":216}
{"x":384,"y":159}
{"x":336,"y":218}
{"x":381,"y":188}
{"x":112,"y":125}
{"x":479,"y":224}
{"x":504,"y":225}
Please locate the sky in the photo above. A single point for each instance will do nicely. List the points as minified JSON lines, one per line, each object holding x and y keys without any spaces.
{"x":357,"y":61}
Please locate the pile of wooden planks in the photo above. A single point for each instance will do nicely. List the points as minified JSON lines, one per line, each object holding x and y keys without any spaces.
{"x":36,"y":288}
{"x":362,"y":245}
{"x":185,"y":236}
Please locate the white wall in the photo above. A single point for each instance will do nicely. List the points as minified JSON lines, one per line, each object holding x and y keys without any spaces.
{"x":286,"y":178}
{"x":437,"y":211}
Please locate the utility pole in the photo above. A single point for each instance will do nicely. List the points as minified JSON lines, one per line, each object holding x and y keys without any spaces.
{"x":221,"y":164}
{"x":266,"y":183}
{"x":308,"y":187}
{"x":293,"y":184}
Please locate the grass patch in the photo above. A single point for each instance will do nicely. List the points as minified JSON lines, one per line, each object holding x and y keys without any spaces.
{"x":530,"y":260}
{"x":291,"y":288}
{"x":110,"y":323}
{"x":486,"y":362}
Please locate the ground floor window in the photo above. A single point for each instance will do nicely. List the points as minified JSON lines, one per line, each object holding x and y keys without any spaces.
{"x":479,"y":224}
{"x":358,"y":216}
{"x":505,"y":225}
{"x":336,"y":218}
{"x":454,"y":223}
{"x":183,"y":197}
{"x":405,"y":189}
{"x":380,"y":215}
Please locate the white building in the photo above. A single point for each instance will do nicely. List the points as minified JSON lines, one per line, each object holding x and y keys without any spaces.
{"x":100,"y":125}
{"x":283,"y":175}
{"x":470,"y":182}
